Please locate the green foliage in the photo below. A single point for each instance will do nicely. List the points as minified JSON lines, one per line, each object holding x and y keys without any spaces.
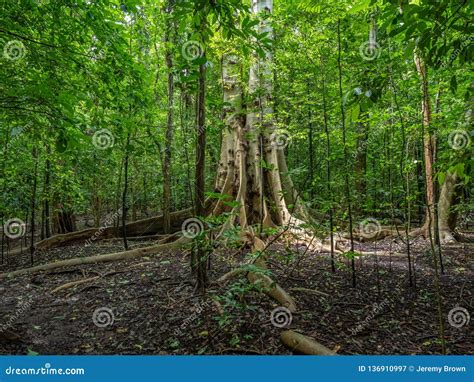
{"x":84,"y":67}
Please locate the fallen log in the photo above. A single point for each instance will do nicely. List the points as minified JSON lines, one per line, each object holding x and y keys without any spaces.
{"x":304,"y":344}
{"x":154,"y":225}
{"x":69,"y":238}
{"x":125,"y":255}
{"x":149,"y":226}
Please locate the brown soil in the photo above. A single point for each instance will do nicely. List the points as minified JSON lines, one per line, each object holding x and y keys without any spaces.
{"x":157,"y":312}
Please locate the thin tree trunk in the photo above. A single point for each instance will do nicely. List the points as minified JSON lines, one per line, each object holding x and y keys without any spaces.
{"x":184,"y":117}
{"x":346,"y":175}
{"x":311,"y":154}
{"x":144,"y":206}
{"x":405,"y":181}
{"x":124,"y":195}
{"x":33,"y":203}
{"x":361,"y":160}
{"x":169,"y":127}
{"x":117,"y":197}
{"x":328,"y":167}
{"x":437,"y":237}
{"x":47,"y":188}
{"x":429,"y":141}
{"x":201,"y":269}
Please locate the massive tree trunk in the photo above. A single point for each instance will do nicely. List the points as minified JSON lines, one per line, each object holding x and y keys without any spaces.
{"x":252,"y":167}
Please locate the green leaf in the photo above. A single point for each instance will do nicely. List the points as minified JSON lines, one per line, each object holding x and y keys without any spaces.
{"x":355,"y":112}
{"x":441,"y":178}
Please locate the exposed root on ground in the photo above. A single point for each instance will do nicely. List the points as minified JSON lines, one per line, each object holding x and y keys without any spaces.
{"x":125,"y":255}
{"x":295,"y":341}
{"x":272,"y":289}
{"x":258,"y":247}
{"x":72,"y":284}
{"x":231,"y":274}
{"x":304,"y":344}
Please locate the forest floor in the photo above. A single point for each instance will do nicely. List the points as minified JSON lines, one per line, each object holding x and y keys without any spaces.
{"x":155,"y":309}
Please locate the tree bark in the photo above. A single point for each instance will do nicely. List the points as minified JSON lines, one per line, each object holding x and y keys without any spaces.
{"x":201,"y":263}
{"x":346,"y":177}
{"x":429,"y":144}
{"x":33,"y":203}
{"x":166,"y":163}
{"x":149,"y":226}
{"x":47,"y":193}
{"x":124,"y":194}
{"x":304,"y":344}
{"x":252,"y":168}
{"x":448,"y":198}
{"x":328,"y":166}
